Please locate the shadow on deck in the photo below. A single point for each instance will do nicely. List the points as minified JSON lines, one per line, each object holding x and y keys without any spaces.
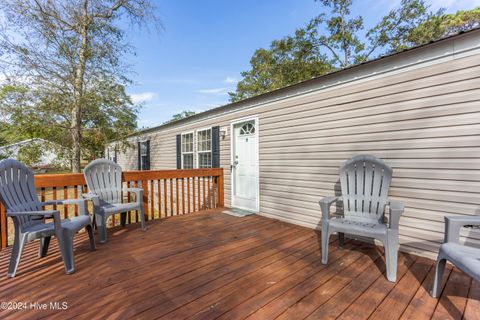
{"x":211,"y":265}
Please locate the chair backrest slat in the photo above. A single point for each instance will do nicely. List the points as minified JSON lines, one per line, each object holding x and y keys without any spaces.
{"x":17,"y":189}
{"x":104,"y":178}
{"x":365,"y":181}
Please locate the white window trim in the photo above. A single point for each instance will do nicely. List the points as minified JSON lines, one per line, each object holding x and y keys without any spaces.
{"x":193,"y":147}
{"x":197,"y":162}
{"x":195,"y":151}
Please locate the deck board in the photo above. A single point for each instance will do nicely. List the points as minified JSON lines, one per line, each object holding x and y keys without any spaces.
{"x":215,"y":266}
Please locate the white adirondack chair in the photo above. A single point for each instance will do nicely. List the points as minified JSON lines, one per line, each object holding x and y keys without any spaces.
{"x":365,"y":181}
{"x":17,"y":193}
{"x":104,"y":181}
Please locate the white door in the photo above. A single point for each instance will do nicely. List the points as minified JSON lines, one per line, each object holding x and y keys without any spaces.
{"x":245,"y":165}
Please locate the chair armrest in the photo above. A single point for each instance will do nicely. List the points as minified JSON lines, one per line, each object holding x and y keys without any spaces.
{"x":396,"y":210}
{"x":46,"y":213}
{"x":93,"y":197}
{"x":454,"y":224}
{"x":138,"y":193}
{"x":81,"y":203}
{"x":325,"y":204}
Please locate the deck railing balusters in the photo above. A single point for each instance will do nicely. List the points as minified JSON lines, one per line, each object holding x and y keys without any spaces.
{"x":204,"y":189}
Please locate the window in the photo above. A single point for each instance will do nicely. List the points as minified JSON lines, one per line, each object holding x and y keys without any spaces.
{"x":187,"y":150}
{"x":247,"y":128}
{"x":198,"y":149}
{"x":204,"y":148}
{"x":144,"y":155}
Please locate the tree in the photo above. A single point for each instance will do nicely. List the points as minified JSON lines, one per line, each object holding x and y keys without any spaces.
{"x":30,"y":154}
{"x":69,"y":54}
{"x":328,"y":42}
{"x":289,"y":60}
{"x":439,"y":26}
{"x":182,"y":115}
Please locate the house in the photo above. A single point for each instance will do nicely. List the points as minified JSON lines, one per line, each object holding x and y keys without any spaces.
{"x":41,"y":153}
{"x":419,"y":110}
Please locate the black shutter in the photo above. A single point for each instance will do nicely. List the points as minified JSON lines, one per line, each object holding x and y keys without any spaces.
{"x":147,"y":162}
{"x":179,"y":151}
{"x":216,"y":147}
{"x":139,"y":166}
{"x":115,"y":155}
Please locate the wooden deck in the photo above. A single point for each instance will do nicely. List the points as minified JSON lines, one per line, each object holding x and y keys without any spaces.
{"x":212,"y":265}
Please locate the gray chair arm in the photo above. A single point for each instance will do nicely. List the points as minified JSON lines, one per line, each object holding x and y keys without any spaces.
{"x":325,"y":205}
{"x":454,"y":224}
{"x":46,"y":213}
{"x":396,"y":210}
{"x":92,"y":197}
{"x":138,"y":193}
{"x":81,"y":203}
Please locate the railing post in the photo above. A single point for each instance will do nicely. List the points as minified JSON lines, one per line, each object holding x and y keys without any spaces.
{"x":145,"y":199}
{"x":221,"y":194}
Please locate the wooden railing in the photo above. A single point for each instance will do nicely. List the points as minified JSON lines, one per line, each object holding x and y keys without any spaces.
{"x":166,"y":193}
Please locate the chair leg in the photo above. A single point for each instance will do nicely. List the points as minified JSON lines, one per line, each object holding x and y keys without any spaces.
{"x":18,"y":245}
{"x":123,"y":219}
{"x":391,"y":256}
{"x":341,"y":239}
{"x":43,"y":248}
{"x":437,"y":280}
{"x":101,"y":227}
{"x":89,"y":229}
{"x":65,"y":242}
{"x":142,"y":217}
{"x":325,"y":240}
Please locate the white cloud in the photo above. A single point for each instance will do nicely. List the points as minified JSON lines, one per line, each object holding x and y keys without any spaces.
{"x":230,"y":80}
{"x":143,"y":97}
{"x":213,"y":91}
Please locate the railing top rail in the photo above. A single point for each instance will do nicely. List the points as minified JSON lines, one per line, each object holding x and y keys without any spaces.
{"x":72,"y":179}
{"x":170,"y":174}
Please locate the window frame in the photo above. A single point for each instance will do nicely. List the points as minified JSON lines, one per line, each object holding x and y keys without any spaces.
{"x":197,"y":152}
{"x":190,"y":152}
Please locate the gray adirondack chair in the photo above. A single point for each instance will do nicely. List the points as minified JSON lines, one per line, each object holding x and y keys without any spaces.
{"x":365,"y":181}
{"x":464,"y":257}
{"x":104,"y":181}
{"x":17,"y":193}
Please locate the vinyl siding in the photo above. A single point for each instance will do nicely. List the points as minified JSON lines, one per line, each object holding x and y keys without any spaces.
{"x":423,"y":121}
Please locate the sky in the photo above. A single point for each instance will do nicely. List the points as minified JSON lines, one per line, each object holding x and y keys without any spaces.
{"x":197,"y":58}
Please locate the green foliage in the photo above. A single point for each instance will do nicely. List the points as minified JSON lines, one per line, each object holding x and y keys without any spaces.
{"x":289,"y":60}
{"x":31,"y":154}
{"x":341,"y":40}
{"x":182,"y":115}
{"x":328,"y":42}
{"x":108,"y":115}
{"x":4,"y":154}
{"x":67,"y":70}
{"x":442,"y":25}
